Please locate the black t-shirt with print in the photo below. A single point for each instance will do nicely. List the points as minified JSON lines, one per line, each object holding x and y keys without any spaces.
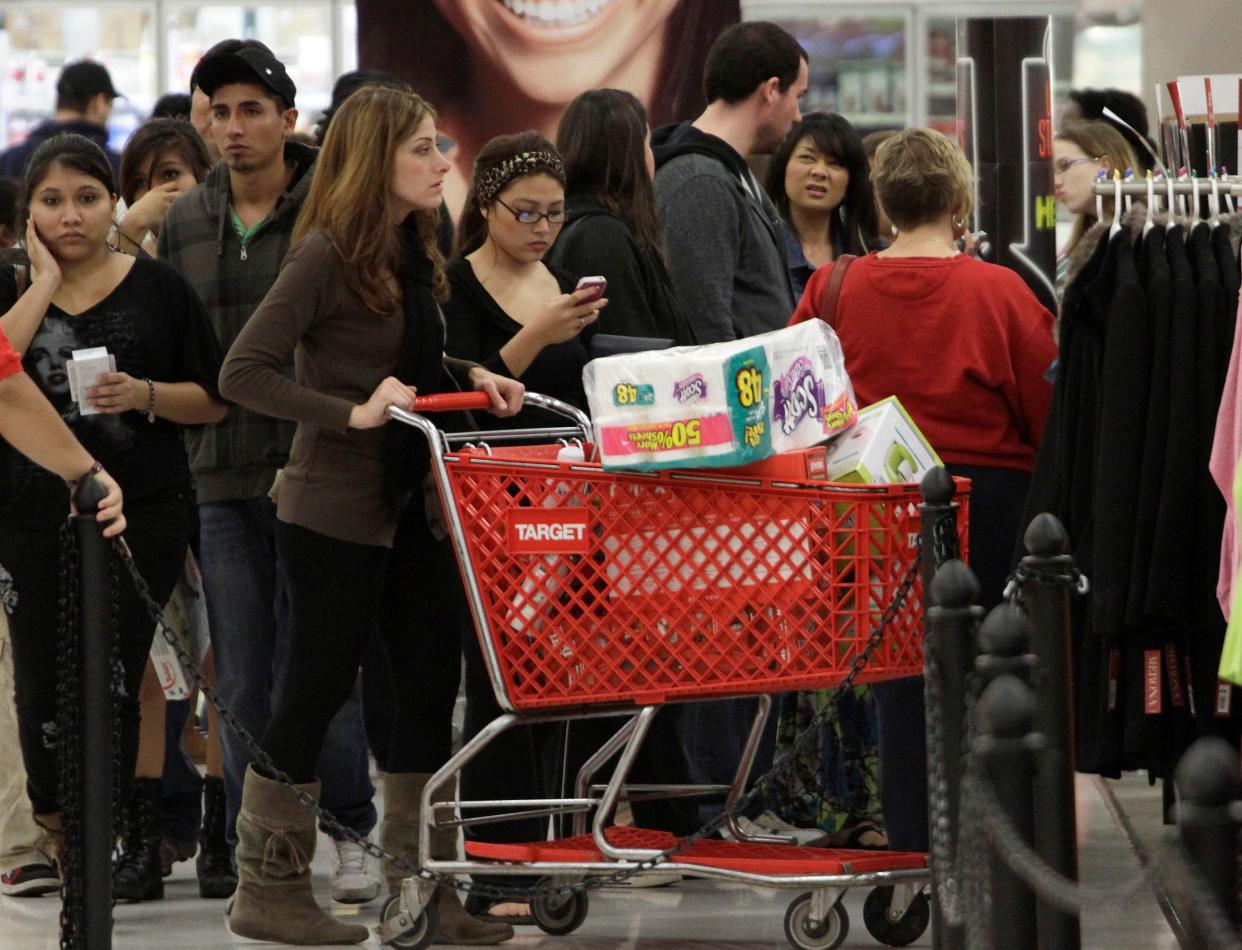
{"x":155,"y":326}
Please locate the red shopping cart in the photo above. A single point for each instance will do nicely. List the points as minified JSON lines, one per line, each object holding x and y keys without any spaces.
{"x":606,"y":593}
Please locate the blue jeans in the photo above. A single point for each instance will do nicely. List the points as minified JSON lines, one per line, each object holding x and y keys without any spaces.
{"x":181,"y":809}
{"x":248,"y":611}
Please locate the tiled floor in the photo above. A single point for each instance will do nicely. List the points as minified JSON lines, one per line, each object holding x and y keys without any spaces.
{"x":693,"y":915}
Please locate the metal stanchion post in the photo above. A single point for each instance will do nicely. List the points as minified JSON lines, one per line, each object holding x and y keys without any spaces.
{"x":1006,"y":747}
{"x":1004,"y":644}
{"x":95,"y":768}
{"x":951,"y":624}
{"x":1209,"y":815}
{"x":938,"y":518}
{"x":937,"y":489}
{"x":1047,"y":592}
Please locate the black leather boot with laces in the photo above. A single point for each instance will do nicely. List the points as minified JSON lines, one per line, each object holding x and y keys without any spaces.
{"x":216,"y":877}
{"x":136,"y":875}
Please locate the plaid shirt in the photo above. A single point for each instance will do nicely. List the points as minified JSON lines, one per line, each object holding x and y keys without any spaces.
{"x":235,"y":459}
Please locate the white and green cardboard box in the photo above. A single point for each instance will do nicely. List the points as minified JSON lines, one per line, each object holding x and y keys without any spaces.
{"x":883,"y":446}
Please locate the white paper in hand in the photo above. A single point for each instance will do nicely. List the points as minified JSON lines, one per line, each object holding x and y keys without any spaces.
{"x":84,"y":371}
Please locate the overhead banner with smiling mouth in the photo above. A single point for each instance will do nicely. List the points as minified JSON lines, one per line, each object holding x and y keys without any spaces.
{"x":492,"y":67}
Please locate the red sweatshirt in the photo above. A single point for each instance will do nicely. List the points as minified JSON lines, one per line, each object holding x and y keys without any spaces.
{"x":10,"y":362}
{"x":963,"y":344}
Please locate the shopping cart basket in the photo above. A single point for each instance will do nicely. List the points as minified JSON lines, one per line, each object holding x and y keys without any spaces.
{"x":605,"y":593}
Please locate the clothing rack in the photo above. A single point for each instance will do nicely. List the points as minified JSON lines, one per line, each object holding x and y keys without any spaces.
{"x":1108,"y":187}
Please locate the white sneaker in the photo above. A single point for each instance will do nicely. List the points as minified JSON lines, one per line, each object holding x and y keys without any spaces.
{"x":770,"y":824}
{"x":356,"y":880}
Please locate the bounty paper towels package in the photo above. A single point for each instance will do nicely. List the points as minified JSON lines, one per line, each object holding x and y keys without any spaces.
{"x":723,"y":404}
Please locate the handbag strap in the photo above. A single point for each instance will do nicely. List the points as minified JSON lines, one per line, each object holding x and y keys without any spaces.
{"x":832,"y":293}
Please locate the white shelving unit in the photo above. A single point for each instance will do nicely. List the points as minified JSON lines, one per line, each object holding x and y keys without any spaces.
{"x":150,"y":46}
{"x":913,"y":43}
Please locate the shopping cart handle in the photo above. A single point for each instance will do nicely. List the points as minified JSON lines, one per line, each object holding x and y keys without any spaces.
{"x":448,"y":402}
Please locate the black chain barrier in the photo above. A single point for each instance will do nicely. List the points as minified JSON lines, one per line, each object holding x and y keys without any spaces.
{"x":963,"y":890}
{"x":494,"y":892}
{"x":1169,"y":867}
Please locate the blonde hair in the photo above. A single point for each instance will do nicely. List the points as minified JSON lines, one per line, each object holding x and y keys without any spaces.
{"x":919,"y":175}
{"x":348,"y":199}
{"x":1101,"y":142}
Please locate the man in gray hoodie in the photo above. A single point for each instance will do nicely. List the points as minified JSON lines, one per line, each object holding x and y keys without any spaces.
{"x":726,"y":255}
{"x":722,"y":235}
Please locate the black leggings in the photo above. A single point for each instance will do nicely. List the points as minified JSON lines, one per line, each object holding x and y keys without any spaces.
{"x":158,"y":535}
{"x":340,"y":593}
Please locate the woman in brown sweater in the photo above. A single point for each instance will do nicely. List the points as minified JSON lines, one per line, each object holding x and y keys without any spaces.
{"x":357,"y":304}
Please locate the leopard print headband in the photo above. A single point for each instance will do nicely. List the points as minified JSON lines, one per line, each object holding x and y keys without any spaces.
{"x":524,"y":163}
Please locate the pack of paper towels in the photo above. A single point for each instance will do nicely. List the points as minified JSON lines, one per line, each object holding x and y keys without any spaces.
{"x":722,"y":404}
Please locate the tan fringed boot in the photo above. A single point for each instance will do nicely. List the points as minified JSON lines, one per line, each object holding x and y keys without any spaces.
{"x":275,"y":844}
{"x":400,"y":831}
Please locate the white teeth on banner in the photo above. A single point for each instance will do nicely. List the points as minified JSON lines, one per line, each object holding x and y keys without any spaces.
{"x":555,"y":12}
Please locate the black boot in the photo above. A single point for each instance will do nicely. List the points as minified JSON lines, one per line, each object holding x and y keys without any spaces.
{"x":136,"y":875}
{"x":216,"y":878}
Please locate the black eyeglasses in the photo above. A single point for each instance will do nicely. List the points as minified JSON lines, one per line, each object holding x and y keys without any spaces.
{"x":532,"y":217}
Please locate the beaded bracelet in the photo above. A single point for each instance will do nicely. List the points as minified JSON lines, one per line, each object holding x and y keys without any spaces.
{"x":150,"y":400}
{"x":95,"y":469}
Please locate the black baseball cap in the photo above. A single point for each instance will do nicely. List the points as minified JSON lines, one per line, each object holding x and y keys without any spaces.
{"x":249,"y":63}
{"x":85,"y":79}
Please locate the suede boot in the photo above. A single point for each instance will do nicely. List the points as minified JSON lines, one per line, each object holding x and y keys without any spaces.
{"x":214,"y":864}
{"x":275,"y":844}
{"x":137,"y":875}
{"x":400,"y":831}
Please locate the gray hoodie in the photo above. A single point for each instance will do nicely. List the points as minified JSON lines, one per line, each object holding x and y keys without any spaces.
{"x":723,"y":238}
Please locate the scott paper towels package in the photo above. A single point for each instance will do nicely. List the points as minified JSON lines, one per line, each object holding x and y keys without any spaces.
{"x":722,"y":404}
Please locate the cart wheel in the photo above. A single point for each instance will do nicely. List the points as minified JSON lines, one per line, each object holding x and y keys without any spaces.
{"x":804,"y":935}
{"x":902,"y":931}
{"x":559,"y":914}
{"x":423,"y":931}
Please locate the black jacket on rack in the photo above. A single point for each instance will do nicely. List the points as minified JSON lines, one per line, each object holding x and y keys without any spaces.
{"x":1125,"y":374}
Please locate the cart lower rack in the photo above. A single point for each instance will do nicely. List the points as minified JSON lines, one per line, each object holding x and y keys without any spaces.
{"x":612,"y":593}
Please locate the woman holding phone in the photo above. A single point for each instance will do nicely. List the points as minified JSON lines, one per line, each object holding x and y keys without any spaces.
{"x":509,"y":309}
{"x":514,"y":314}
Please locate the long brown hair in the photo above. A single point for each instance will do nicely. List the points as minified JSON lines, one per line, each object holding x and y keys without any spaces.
{"x":348,"y":199}
{"x":602,"y":139}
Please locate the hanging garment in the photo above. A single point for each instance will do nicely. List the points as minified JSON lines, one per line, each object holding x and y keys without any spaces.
{"x":1226,"y":447}
{"x":1066,"y":456}
{"x":1118,"y":295}
{"x":1231,"y":654}
{"x":1207,"y":628}
{"x":1155,"y":735}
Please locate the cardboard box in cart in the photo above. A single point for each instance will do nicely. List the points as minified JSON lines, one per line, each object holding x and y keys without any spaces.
{"x":884,"y":446}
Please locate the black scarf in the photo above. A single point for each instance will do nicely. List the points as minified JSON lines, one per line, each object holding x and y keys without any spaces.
{"x":420,"y":364}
